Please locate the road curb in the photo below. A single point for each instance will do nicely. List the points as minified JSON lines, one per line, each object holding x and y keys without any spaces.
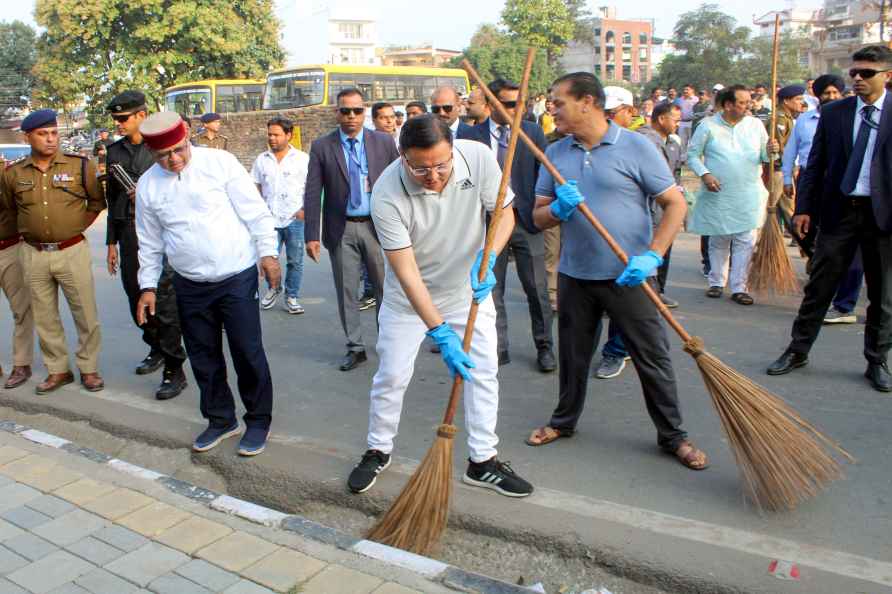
{"x":431,"y":569}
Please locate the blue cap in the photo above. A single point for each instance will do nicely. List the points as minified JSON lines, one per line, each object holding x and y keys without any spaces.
{"x":210,"y":117}
{"x":42,"y":118}
{"x":791,"y":91}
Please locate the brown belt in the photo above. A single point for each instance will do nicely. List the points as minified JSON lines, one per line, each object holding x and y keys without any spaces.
{"x":56,"y":247}
{"x":7,"y":243}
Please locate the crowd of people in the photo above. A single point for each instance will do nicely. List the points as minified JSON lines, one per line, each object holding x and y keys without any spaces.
{"x":407,"y":202}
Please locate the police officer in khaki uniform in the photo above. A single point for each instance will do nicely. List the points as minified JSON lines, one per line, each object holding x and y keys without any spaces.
{"x":13,"y":284}
{"x":57,"y":196}
{"x":790,"y":103}
{"x":211,"y":136}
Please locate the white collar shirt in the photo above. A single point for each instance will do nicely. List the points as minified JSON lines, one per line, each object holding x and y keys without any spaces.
{"x":208,"y":220}
{"x":862,"y":188}
{"x":454,"y":126}
{"x":494,"y":135}
{"x":282,"y":183}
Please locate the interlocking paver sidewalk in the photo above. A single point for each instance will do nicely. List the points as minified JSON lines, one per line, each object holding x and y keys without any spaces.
{"x":67,"y":530}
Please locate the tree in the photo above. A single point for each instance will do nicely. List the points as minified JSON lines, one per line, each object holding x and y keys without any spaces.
{"x":709,"y":43}
{"x":546,"y":24}
{"x":97,"y":48}
{"x":579,"y":14}
{"x":17,"y":55}
{"x":755,"y":67}
{"x":494,"y":54}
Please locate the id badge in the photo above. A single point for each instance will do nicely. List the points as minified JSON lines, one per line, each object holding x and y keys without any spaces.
{"x":366,"y":184}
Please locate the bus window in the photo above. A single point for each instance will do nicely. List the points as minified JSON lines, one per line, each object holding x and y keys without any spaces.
{"x":192,"y":101}
{"x":452,"y":81}
{"x":232,"y":98}
{"x":338,"y":81}
{"x":294,"y":89}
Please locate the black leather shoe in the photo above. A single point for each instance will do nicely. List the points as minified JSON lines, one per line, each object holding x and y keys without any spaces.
{"x":545,"y":360}
{"x":878,"y":376}
{"x":787,"y":363}
{"x":352,"y":359}
{"x":150,"y":364}
{"x":172,"y":385}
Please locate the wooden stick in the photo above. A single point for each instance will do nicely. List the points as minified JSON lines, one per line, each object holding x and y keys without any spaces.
{"x":772,"y":131}
{"x":516,"y":133}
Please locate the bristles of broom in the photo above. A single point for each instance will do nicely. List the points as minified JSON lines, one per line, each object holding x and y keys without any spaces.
{"x":784,"y":460}
{"x":417,"y":519}
{"x":770,"y":268}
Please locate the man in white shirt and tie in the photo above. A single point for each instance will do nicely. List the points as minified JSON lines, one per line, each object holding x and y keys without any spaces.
{"x":280,"y":175}
{"x":199,"y":208}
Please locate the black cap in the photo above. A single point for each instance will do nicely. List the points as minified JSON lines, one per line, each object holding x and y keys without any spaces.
{"x":791,"y":91}
{"x":210,"y":117}
{"x":127,"y":101}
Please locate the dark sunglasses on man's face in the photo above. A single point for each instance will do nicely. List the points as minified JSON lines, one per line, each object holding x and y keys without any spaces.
{"x":121,"y":118}
{"x":865,"y":73}
{"x":508,"y":104}
{"x":345,"y":111}
{"x":443,"y":108}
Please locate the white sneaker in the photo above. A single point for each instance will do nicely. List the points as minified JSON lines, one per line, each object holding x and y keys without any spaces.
{"x":834,"y":316}
{"x":270,"y":298}
{"x":292,"y":306}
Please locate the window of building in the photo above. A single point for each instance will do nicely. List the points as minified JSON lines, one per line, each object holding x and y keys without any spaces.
{"x":627,"y":72}
{"x":610,"y":55}
{"x":597,"y":50}
{"x":627,"y":55}
{"x":627,"y":37}
{"x":609,"y":37}
{"x":350,"y":30}
{"x":611,"y":72}
{"x":642,"y":54}
{"x":850,"y":32}
{"x":642,"y":38}
{"x":642,"y":74}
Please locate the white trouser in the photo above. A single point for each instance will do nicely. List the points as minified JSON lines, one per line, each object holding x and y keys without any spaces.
{"x":399,"y":337}
{"x":685,"y":131}
{"x":740,"y":246}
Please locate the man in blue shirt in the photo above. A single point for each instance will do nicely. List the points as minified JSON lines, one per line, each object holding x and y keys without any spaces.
{"x":828,"y":87}
{"x":616,"y":173}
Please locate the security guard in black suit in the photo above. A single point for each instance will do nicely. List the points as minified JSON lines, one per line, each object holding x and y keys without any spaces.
{"x":162,"y":332}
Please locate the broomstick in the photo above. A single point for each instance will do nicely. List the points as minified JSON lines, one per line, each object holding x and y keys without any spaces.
{"x":770,"y":268}
{"x":784,"y":460}
{"x":418,"y":517}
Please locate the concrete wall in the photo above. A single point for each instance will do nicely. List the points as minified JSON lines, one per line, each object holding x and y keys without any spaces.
{"x":246,"y":131}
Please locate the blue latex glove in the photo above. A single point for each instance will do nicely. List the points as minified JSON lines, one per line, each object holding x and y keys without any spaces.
{"x":484,"y":288}
{"x":639,"y":268}
{"x":568,"y":198}
{"x":455,"y":358}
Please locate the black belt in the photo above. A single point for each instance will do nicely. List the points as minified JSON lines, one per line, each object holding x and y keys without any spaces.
{"x":859,"y":201}
{"x":363,"y":219}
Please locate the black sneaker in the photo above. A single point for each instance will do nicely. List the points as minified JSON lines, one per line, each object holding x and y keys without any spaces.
{"x":498,"y":476}
{"x":367,"y":302}
{"x":366,"y":472}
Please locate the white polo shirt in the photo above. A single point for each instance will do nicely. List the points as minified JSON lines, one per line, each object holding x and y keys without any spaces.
{"x":282,"y":182}
{"x":445,"y":230}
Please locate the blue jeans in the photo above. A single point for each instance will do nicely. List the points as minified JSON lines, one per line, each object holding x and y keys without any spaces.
{"x":614,"y":347}
{"x":293,"y":238}
{"x":850,"y":287}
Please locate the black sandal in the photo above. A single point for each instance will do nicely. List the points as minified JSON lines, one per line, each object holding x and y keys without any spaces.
{"x":742,"y":299}
{"x":714,"y":292}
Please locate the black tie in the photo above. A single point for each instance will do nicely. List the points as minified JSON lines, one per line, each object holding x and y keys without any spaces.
{"x":853,"y":168}
{"x":503,"y":146}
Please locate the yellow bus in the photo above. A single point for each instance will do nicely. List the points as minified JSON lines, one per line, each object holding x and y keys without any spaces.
{"x":320,"y":84}
{"x":220,"y":96}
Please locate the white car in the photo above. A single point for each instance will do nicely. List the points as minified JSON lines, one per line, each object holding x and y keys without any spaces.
{"x":13,"y":152}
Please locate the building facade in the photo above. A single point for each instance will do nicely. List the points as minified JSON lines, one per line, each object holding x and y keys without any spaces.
{"x":622,"y":49}
{"x":847,"y":25}
{"x":427,"y":55}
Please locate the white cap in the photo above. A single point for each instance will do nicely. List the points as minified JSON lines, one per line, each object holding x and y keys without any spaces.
{"x":718,"y":87}
{"x":616,"y":96}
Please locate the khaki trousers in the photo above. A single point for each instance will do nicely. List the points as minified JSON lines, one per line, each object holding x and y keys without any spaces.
{"x":12,"y":282}
{"x":71,"y":270}
{"x":776,"y":191}
{"x":552,"y":237}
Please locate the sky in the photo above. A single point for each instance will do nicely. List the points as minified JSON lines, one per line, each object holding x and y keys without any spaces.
{"x":450,"y":24}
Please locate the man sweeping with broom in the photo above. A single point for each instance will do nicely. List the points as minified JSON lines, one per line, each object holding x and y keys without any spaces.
{"x":429,"y":212}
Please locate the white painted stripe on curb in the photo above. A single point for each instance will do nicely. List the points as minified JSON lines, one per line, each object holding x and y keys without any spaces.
{"x":43,"y":438}
{"x":423,"y":565}
{"x":247,"y":510}
{"x":770,"y":547}
{"x":133,"y":470}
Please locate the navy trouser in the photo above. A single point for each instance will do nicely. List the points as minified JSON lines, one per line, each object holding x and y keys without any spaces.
{"x":205,"y":310}
{"x":850,"y":287}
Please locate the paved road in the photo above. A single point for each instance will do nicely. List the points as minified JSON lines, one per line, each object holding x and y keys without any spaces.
{"x":613,"y":456}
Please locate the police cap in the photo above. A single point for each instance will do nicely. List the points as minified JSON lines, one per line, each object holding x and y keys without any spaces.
{"x":127,"y":101}
{"x":791,"y":91}
{"x":210,"y":117}
{"x":42,"y":118}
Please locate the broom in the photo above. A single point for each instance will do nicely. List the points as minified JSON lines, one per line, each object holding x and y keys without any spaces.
{"x":784,"y":459}
{"x":770,"y":268}
{"x":418,"y":517}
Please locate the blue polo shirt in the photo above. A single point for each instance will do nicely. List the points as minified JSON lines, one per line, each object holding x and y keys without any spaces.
{"x":617,"y":177}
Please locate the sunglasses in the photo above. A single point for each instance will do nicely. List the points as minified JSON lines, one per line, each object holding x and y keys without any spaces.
{"x":443,"y":108}
{"x":864,"y":73}
{"x":121,"y":118}
{"x":508,"y":104}
{"x":345,"y":111}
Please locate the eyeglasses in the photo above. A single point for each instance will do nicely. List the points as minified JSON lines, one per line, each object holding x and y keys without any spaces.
{"x":443,"y":108}
{"x":864,"y":73}
{"x":121,"y":118}
{"x":345,"y":111}
{"x":180,"y":151}
{"x":441,"y":168}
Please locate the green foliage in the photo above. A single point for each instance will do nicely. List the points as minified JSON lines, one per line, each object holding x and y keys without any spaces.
{"x":17,"y":56}
{"x":494,"y":53}
{"x":713,"y":49}
{"x":97,"y":48}
{"x":546,"y":24}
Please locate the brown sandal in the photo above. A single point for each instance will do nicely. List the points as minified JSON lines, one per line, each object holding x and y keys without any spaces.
{"x":545,"y":435}
{"x":692,"y":456}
